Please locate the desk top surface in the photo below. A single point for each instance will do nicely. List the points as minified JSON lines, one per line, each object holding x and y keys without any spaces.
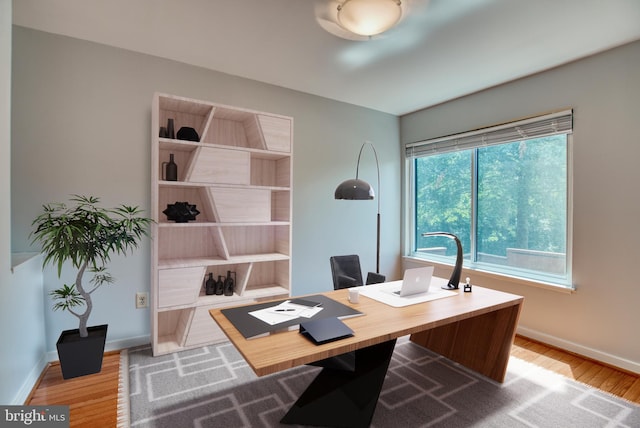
{"x":380,"y":323}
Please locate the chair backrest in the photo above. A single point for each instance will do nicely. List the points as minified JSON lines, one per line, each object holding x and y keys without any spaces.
{"x":375,"y":278}
{"x":346,"y":271}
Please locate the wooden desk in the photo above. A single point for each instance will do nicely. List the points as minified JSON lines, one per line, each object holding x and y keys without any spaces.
{"x":474,"y":329}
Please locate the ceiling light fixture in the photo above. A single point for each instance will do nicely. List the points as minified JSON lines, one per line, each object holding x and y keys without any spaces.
{"x":369,"y":17}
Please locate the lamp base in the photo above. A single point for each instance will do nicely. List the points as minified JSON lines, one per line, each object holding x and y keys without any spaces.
{"x":450,"y":286}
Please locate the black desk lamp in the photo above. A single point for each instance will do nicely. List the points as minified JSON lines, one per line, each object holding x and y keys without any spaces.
{"x":454,"y":281}
{"x":356,"y":189}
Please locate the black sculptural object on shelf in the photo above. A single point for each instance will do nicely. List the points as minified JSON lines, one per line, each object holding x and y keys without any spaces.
{"x":454,"y":281}
{"x":181,"y":212}
{"x":188,"y":134}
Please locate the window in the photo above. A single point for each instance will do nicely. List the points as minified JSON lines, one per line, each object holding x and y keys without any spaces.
{"x":505,"y":191}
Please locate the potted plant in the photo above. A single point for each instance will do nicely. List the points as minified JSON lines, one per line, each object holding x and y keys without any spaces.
{"x":86,"y":235}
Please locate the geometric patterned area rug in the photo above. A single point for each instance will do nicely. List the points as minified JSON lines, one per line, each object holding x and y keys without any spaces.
{"x":212,"y":386}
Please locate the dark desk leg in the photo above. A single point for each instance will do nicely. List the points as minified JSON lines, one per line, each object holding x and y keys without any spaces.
{"x":338,"y":398}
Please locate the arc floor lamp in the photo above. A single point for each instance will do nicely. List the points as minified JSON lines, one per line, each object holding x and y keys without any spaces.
{"x":356,"y":189}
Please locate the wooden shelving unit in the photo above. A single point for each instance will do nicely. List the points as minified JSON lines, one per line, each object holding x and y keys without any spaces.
{"x":239,"y":177}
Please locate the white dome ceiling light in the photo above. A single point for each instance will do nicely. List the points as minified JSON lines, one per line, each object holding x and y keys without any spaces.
{"x":360,"y":20}
{"x":369,"y":17}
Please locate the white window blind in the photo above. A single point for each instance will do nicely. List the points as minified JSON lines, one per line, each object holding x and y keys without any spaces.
{"x":535,"y":127}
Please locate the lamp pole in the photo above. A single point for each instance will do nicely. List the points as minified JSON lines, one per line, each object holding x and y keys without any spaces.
{"x":356,"y":189}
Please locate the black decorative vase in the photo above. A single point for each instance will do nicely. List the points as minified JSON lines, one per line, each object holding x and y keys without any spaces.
{"x":80,"y":356}
{"x":171,"y":133}
{"x":170,"y":169}
{"x":229,"y":284}
{"x":220,"y":286}
{"x":181,"y":212}
{"x":210,"y":286}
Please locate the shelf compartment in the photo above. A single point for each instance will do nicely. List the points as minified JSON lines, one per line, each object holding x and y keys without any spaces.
{"x":268,"y":171}
{"x":242,"y":272}
{"x":276,"y":132}
{"x":171,"y":192}
{"x":256,"y":240}
{"x":185,"y":113}
{"x":182,"y":158}
{"x":213,"y":165}
{"x":235,"y":127}
{"x":172,"y":329}
{"x":280,"y":206}
{"x":203,"y":329}
{"x":179,"y":286}
{"x":268,"y":277}
{"x":241,"y":205}
{"x":190,"y":243}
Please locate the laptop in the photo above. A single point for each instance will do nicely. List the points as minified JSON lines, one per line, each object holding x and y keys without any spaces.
{"x":415,"y":281}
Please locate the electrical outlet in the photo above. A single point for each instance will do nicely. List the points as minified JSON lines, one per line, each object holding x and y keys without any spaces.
{"x":142,"y":300}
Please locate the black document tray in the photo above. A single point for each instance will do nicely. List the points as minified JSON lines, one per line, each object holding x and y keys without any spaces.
{"x":325,"y":330}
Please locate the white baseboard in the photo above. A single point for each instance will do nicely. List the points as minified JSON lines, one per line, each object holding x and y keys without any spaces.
{"x":612,"y":360}
{"x":31,"y":380}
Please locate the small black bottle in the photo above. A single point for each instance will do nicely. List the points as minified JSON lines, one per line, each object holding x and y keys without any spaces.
{"x":210,"y":285}
{"x":219,"y":286}
{"x":171,"y":133}
{"x":170,"y":169}
{"x":229,"y":284}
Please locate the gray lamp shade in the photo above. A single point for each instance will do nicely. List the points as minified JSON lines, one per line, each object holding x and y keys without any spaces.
{"x":354,"y":189}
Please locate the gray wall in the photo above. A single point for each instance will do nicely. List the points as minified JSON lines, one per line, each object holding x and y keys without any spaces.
{"x":601,"y":319}
{"x":81,"y":125}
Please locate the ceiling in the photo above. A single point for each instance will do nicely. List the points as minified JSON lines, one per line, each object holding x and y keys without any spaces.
{"x":441,"y":50}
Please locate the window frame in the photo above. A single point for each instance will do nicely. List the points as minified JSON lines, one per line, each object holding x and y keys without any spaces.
{"x":540,"y":279}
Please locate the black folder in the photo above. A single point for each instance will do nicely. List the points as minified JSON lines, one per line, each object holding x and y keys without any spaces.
{"x":325,"y":330}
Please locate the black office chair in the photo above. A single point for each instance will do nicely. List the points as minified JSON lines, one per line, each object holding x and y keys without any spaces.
{"x":375,"y":278}
{"x":347,"y":273}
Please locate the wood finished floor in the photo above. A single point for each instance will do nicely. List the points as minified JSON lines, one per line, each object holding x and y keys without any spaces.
{"x":93,"y":399}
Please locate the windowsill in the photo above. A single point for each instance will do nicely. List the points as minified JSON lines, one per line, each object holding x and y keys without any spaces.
{"x":20,"y":259}
{"x":492,"y":275}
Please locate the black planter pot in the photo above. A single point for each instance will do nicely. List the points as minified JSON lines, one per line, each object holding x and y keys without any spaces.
{"x":80,"y":356}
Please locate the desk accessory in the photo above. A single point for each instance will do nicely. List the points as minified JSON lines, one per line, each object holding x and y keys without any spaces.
{"x":454,"y":281}
{"x":325,"y":330}
{"x":354,"y":295}
{"x":304,"y":302}
{"x":467,"y":286}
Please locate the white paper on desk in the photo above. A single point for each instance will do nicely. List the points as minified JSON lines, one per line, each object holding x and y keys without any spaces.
{"x":285,"y":311}
{"x":270,"y":317}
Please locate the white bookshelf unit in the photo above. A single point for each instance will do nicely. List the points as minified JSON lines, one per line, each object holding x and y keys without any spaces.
{"x":239,"y":176}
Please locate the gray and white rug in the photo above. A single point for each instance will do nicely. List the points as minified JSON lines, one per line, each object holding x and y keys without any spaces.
{"x":214,"y":387}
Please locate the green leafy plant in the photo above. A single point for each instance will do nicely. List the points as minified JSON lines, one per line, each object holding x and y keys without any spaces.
{"x":86,"y":235}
